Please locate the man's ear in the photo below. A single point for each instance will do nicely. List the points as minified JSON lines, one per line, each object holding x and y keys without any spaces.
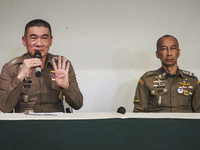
{"x":179,"y":52}
{"x":24,"y":40}
{"x":51,"y":40}
{"x":157,"y":54}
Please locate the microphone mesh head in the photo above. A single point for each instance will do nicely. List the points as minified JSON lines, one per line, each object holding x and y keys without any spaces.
{"x":37,"y":54}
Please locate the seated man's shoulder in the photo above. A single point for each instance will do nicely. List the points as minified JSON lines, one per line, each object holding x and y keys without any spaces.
{"x":191,"y":76}
{"x":150,"y":73}
{"x":188,"y":73}
{"x":148,"y":76}
{"x":16,"y":60}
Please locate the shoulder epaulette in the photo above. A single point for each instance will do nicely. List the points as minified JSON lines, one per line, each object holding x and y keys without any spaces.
{"x":17,"y":60}
{"x":187,"y":73}
{"x":14,"y":61}
{"x":150,"y":73}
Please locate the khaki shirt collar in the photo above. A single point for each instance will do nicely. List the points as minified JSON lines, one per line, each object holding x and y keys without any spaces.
{"x":163,"y":73}
{"x":49,"y":58}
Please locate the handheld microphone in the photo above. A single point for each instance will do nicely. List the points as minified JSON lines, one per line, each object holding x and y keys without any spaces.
{"x":121,"y":110}
{"x":37,"y":54}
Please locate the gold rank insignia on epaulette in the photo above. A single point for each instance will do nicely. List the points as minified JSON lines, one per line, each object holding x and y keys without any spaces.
{"x":197,"y":81}
{"x":136,"y":101}
{"x":141,"y":81}
{"x":61,"y":95}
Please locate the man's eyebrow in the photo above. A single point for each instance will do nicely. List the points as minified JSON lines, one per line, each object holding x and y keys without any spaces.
{"x":166,"y":46}
{"x":36,"y":35}
{"x":173,"y":45}
{"x":33,"y":35}
{"x":45,"y":35}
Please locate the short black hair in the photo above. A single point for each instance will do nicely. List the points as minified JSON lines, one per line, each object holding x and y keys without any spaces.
{"x":38,"y":23}
{"x":158,"y":42}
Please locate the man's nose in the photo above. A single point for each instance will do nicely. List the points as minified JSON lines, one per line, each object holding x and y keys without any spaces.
{"x":169,"y":53}
{"x":38,"y":42}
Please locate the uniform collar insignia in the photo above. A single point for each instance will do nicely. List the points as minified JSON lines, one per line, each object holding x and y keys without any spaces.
{"x":13,"y":61}
{"x":162,"y":74}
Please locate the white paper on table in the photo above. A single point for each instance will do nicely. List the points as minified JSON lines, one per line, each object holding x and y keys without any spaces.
{"x":46,"y":114}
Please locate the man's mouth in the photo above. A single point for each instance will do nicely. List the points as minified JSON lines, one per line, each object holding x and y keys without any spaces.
{"x":169,"y":60}
{"x":37,"y":50}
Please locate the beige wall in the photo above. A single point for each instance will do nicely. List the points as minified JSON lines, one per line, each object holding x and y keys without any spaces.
{"x":111,"y":43}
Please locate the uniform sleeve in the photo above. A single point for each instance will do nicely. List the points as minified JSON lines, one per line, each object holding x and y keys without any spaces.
{"x":141,"y":97}
{"x":73,"y":95}
{"x":10,"y":88}
{"x":196,"y":98}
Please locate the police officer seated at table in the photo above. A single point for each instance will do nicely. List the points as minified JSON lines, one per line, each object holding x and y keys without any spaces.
{"x":168,"y":89}
{"x":22,"y":89}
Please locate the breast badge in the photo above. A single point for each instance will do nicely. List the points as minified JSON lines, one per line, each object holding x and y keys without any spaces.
{"x":180,"y":90}
{"x":159,"y":86}
{"x":185,"y":88}
{"x":184,"y":82}
{"x":25,"y":97}
{"x":27,"y":83}
{"x":54,"y":76}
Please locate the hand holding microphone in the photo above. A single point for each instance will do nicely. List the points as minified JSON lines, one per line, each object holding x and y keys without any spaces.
{"x":29,"y":65}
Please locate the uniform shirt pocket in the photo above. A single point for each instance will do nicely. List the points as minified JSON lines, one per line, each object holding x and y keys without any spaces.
{"x":159,"y":98}
{"x":56,"y":94}
{"x":185,"y":97}
{"x":28,"y":90}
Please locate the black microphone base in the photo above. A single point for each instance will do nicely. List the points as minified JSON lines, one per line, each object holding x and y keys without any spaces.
{"x":121,"y":110}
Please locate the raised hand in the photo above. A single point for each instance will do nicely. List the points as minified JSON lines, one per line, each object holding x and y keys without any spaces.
{"x":61,"y":72}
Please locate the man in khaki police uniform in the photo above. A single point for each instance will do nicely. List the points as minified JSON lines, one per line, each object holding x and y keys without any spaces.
{"x":168,"y":89}
{"x":21,"y":90}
